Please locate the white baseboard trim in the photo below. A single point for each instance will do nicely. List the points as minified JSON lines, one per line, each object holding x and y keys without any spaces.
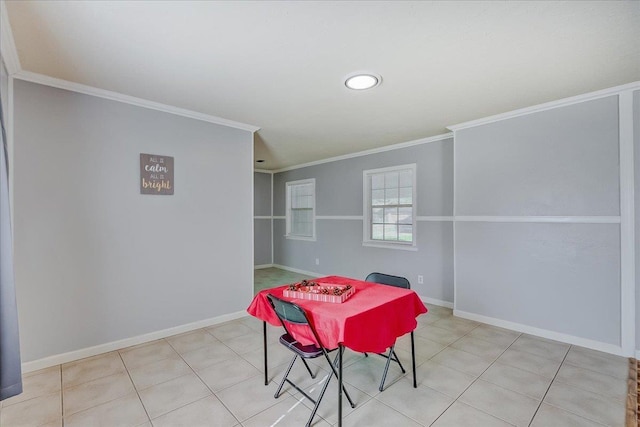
{"x":127,"y":342}
{"x":544,"y":333}
{"x":260,"y":266}
{"x":297,"y":270}
{"x":437,"y":302}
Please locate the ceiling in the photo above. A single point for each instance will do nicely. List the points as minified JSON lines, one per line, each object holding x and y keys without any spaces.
{"x":281,"y":65}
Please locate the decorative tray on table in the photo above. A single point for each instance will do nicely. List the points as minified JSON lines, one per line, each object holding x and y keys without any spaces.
{"x":325,"y":292}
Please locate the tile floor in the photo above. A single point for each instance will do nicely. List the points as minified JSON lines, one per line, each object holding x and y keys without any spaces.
{"x":469,"y":374}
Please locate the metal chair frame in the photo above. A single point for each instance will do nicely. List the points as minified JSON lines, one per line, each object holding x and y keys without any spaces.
{"x":291,"y":313}
{"x":398,"y":282}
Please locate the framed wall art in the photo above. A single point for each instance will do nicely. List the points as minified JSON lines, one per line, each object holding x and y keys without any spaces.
{"x":156,"y":174}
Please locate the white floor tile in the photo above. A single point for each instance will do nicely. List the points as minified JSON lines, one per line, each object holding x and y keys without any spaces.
{"x":514,"y":408}
{"x":214,"y":377}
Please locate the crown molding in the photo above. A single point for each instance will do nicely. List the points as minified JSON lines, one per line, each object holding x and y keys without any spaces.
{"x":7,"y":43}
{"x":263,"y":171}
{"x":371,"y":151}
{"x":616,"y":90}
{"x":132,"y":100}
{"x":12,"y":62}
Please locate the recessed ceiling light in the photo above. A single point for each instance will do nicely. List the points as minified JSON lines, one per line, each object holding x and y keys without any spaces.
{"x":259,"y":161}
{"x":362,"y":81}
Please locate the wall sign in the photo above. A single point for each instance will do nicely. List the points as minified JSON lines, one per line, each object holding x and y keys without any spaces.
{"x":156,"y":174}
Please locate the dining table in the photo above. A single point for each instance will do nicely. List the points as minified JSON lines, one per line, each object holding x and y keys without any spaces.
{"x":369,"y":321}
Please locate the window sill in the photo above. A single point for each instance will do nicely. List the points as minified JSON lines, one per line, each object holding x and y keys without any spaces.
{"x":309,"y":239}
{"x":390,"y":246}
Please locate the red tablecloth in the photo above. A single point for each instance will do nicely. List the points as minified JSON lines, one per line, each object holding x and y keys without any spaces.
{"x":369,"y":321}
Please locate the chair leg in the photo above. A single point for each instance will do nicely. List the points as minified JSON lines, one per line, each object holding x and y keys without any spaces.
{"x":286,"y":374}
{"x":308,"y":368}
{"x":326,"y":384}
{"x":319,"y":399}
{"x":397,"y":359}
{"x":386,"y":369}
{"x":334,"y":367}
{"x":264,"y":332}
{"x":392,"y":356}
{"x":413,"y":361}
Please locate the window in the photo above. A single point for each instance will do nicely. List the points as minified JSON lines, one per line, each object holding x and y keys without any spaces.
{"x":301,"y":202}
{"x":389,"y":207}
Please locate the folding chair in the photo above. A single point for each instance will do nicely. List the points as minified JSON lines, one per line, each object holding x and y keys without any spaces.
{"x":292,"y":314}
{"x":398,"y":282}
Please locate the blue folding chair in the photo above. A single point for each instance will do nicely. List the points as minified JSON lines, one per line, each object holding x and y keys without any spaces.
{"x":292,"y":314}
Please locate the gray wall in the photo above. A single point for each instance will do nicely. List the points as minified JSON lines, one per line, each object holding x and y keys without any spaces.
{"x":559,"y":277}
{"x":339,"y":241}
{"x":261,"y":194}
{"x":4,"y":89}
{"x":95,"y":260}
{"x":562,"y":162}
{"x":636,"y":167}
{"x":262,"y":226}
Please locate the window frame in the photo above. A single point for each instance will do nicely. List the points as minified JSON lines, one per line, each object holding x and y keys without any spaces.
{"x":288,"y":186}
{"x":367,"y":239}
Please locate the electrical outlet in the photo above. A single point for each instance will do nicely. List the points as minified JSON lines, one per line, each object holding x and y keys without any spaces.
{"x":317,"y":261}
{"x":420,"y":280}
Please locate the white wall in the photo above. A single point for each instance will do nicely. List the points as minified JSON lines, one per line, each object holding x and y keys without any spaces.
{"x":98,"y":262}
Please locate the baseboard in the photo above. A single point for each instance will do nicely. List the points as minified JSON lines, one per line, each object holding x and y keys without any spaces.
{"x":127,"y":342}
{"x":437,"y":302}
{"x":544,"y":333}
{"x":261,"y":266}
{"x":297,"y":270}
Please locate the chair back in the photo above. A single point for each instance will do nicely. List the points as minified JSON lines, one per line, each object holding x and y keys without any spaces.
{"x":387,"y":279}
{"x":288,"y":311}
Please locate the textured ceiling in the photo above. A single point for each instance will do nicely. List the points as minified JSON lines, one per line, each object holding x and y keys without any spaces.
{"x":281,"y":65}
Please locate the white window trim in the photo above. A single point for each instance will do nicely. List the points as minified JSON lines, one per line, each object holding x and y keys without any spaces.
{"x":288,"y":210}
{"x":366,"y":207}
